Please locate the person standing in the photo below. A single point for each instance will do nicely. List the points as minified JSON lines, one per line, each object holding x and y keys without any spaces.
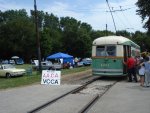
{"x":147,"y":71}
{"x":131,"y":68}
{"x":76,"y":61}
{"x":142,"y":74}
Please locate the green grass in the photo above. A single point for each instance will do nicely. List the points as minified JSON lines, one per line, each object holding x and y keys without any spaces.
{"x":75,"y":70}
{"x":33,"y":78}
{"x":25,"y":66}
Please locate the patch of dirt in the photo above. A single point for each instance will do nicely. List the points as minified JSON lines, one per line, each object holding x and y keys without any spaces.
{"x":74,"y":77}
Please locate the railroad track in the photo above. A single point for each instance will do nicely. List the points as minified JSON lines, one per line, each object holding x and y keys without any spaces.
{"x":56,"y":99}
{"x":77,"y":90}
{"x":94,"y":100}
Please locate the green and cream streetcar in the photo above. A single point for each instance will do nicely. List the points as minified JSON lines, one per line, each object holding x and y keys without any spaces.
{"x":108,"y":54}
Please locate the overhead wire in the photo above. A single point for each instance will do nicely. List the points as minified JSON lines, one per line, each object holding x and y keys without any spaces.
{"x":125,"y":17}
{"x":120,"y":19}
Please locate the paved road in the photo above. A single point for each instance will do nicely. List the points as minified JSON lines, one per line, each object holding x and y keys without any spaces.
{"x":124,"y":98}
{"x":22,"y":100}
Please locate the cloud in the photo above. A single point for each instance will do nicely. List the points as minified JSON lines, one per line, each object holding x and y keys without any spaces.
{"x":97,"y":16}
{"x":62,"y":9}
{"x":93,"y":13}
{"x":13,"y":5}
{"x":124,"y":20}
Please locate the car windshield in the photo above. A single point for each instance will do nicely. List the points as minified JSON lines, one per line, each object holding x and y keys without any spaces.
{"x":8,"y":67}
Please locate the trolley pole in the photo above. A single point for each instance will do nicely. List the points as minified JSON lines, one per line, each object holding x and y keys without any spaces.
{"x":37,"y":36}
{"x":111,"y":15}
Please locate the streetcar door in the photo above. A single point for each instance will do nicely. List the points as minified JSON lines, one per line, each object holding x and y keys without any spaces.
{"x":127,"y":53}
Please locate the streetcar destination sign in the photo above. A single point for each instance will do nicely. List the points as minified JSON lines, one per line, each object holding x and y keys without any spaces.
{"x":51,"y":77}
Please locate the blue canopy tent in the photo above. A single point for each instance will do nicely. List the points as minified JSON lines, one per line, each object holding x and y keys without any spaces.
{"x":66,"y":58}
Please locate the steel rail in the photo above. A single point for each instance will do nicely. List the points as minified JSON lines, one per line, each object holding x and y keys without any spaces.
{"x":87,"y":106}
{"x":94,"y":100}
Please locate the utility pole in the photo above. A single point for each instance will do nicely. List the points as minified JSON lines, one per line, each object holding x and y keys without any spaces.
{"x":37,"y":36}
{"x":106,"y":31}
{"x":111,"y":15}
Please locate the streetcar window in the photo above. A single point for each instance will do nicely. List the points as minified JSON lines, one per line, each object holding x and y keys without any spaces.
{"x":100,"y":51}
{"x":111,"y":50}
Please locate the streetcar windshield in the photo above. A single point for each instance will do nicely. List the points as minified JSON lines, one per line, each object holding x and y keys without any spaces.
{"x":111,"y":50}
{"x":106,"y":50}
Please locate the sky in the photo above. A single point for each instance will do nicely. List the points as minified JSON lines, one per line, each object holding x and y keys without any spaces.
{"x":94,"y":12}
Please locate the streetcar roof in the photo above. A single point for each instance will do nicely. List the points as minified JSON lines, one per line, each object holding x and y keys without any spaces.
{"x":114,"y":40}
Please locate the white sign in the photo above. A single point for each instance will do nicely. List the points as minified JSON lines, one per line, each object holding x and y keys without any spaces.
{"x":51,"y":77}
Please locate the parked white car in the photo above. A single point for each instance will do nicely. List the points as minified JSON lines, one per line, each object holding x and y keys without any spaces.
{"x":8,"y":70}
{"x":44,"y":65}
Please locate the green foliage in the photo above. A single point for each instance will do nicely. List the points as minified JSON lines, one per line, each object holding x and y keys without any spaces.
{"x":65,"y":34}
{"x":76,"y":37}
{"x":123,"y":33}
{"x":144,"y":11}
{"x":51,"y":35}
{"x":16,"y":34}
{"x":51,"y":21}
{"x":96,"y":34}
{"x":142,"y":39}
{"x":46,"y":42}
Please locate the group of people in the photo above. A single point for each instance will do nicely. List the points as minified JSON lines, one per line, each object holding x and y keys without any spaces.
{"x":140,"y":66}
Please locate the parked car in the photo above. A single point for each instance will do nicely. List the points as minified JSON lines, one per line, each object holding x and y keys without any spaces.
{"x":16,"y":60}
{"x":80,"y":64}
{"x":11,"y":62}
{"x":44,"y":65}
{"x":19,"y":61}
{"x":8,"y":70}
{"x":87,"y":61}
{"x":5,"y":62}
{"x":57,"y":66}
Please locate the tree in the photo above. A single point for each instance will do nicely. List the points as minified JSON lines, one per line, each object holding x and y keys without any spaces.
{"x":96,"y":34}
{"x":65,"y":34}
{"x":76,"y":37}
{"x":17,"y":34}
{"x":124,"y":33}
{"x":83,"y":44}
{"x":46,"y":43}
{"x":40,"y":18}
{"x":144,"y":12}
{"x":69,"y":28}
{"x":51,"y":23}
{"x":142,"y":39}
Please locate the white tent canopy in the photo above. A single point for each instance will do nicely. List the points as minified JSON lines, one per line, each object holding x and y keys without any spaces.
{"x":14,"y":57}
